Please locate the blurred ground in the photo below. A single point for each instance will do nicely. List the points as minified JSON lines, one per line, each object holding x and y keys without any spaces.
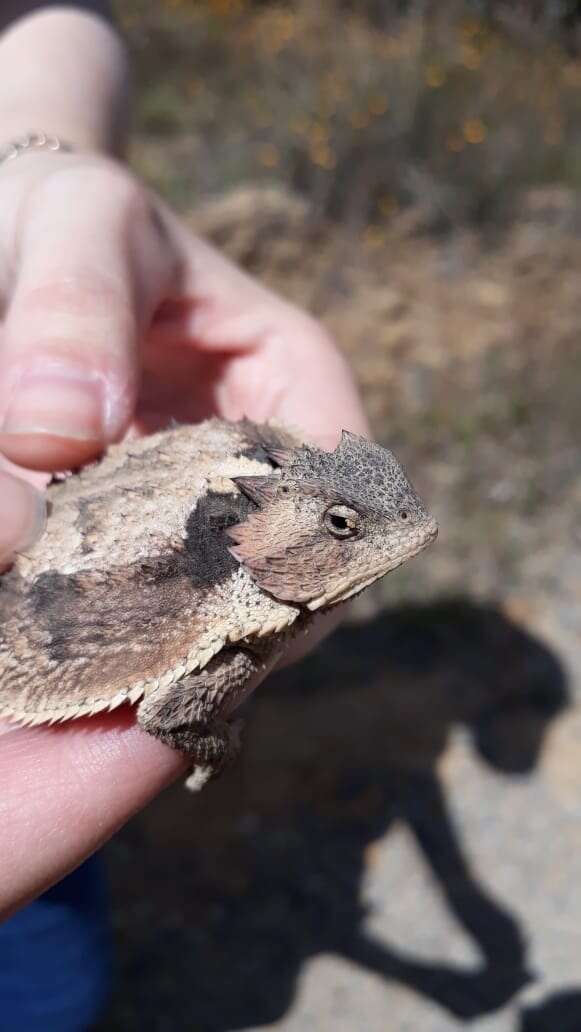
{"x":399,"y":849}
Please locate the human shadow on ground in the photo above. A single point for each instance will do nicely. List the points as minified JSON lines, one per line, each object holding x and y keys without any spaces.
{"x":559,"y":1013}
{"x":264,"y":870}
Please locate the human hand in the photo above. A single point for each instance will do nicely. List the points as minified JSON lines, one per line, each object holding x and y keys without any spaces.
{"x":116,"y":319}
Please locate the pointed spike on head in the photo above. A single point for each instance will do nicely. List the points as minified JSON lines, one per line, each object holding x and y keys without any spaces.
{"x":278,"y":443}
{"x":260,"y":490}
{"x":281,"y":456}
{"x":348,"y":436}
{"x":350,"y":441}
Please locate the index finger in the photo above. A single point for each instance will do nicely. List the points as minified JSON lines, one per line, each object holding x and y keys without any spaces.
{"x":89,"y":268}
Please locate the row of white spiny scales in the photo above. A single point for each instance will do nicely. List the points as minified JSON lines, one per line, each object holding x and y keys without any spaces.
{"x":196,"y":659}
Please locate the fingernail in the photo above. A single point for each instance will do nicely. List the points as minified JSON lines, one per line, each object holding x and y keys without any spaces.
{"x":57,"y":398}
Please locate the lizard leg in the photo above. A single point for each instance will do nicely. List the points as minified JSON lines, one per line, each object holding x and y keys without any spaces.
{"x":192,"y":714}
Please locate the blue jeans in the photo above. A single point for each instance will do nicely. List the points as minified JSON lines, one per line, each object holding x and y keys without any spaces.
{"x":55,"y":957}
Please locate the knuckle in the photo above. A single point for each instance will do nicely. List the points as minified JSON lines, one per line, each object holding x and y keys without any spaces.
{"x":121,"y":190}
{"x":100,"y":180}
{"x":81,"y":293}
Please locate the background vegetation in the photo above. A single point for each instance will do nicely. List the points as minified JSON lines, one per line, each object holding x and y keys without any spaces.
{"x":364,"y":107}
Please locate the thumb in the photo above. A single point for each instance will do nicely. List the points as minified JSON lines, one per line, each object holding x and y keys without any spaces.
{"x":22,"y":516}
{"x":91,"y":267}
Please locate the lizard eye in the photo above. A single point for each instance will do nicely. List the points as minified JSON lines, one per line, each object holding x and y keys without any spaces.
{"x":341,"y":521}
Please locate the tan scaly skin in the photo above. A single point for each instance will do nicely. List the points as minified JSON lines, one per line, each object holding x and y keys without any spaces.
{"x":175,"y":572}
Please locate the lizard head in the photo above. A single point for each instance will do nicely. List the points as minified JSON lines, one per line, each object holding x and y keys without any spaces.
{"x":328,"y":524}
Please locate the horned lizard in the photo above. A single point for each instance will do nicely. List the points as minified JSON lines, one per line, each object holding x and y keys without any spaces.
{"x":175,"y":572}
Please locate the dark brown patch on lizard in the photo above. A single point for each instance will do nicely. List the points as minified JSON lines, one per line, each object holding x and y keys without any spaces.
{"x":83,"y":622}
{"x":206,"y":549}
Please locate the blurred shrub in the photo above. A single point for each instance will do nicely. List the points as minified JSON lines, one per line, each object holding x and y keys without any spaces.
{"x":363,"y":107}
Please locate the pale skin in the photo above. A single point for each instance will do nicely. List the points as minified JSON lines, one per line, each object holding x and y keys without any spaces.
{"x":114,"y":319}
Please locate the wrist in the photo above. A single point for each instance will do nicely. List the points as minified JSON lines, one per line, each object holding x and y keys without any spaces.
{"x":64,"y":72}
